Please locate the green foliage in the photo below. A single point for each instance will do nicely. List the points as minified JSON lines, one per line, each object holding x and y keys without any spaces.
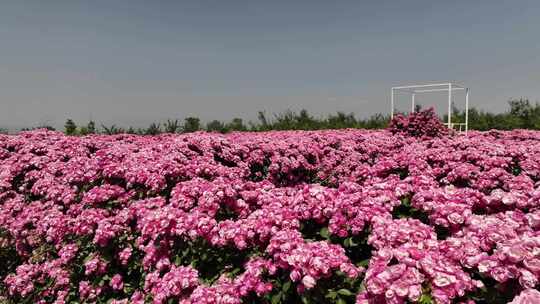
{"x":153,"y":129}
{"x":83,"y":130}
{"x":522,"y":114}
{"x":377,"y":121}
{"x":406,"y":210}
{"x":113,"y":129}
{"x":289,"y":120}
{"x":91,"y":127}
{"x":356,"y":247}
{"x":336,"y":289}
{"x":70,"y":127}
{"x":216,"y":126}
{"x":211,"y":262}
{"x":192,"y":124}
{"x":41,"y":126}
{"x":263,"y":122}
{"x":172,"y":126}
{"x":493,"y":292}
{"x":237,"y":124}
{"x":9,"y":257}
{"x":341,"y":120}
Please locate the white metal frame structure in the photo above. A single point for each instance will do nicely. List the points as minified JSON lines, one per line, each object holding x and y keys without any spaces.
{"x":438,"y":87}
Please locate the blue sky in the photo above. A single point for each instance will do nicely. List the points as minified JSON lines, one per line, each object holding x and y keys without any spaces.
{"x":133,"y":62}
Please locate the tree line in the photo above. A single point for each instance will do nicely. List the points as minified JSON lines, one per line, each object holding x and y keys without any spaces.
{"x":521,"y":114}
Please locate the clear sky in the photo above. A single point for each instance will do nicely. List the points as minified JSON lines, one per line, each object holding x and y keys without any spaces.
{"x":133,"y":62}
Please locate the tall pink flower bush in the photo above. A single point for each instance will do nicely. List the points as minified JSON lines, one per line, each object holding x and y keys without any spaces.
{"x":418,"y":124}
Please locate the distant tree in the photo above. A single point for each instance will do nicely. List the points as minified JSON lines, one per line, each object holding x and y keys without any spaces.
{"x":341,"y":121}
{"x":237,"y":124}
{"x":172,"y":126}
{"x":304,"y":121}
{"x":477,"y":119}
{"x":4,"y":131}
{"x":46,"y":127}
{"x":153,"y":129}
{"x":216,"y":126}
{"x":522,"y":111}
{"x":192,"y":124}
{"x":283,"y":121}
{"x":377,"y":121}
{"x":535,"y":116}
{"x":83,"y":130}
{"x":520,"y":107}
{"x":70,"y":127}
{"x":112,"y":130}
{"x":91,"y":127}
{"x":42,"y":125}
{"x":263,"y":122}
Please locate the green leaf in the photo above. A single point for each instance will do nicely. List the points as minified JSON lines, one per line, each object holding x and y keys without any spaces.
{"x":235,"y":271}
{"x":325,"y":233}
{"x":425,"y":299}
{"x":276,"y":298}
{"x":363,"y":263}
{"x":341,"y":301}
{"x":331,"y":295}
{"x":102,"y":282}
{"x":286,"y":286}
{"x":128,"y":288}
{"x":345,"y":292}
{"x":87,"y":258}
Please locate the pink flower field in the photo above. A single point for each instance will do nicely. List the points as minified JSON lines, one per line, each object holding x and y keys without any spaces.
{"x":349,"y":216}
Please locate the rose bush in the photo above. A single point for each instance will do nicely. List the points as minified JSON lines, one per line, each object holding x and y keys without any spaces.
{"x":349,"y":216}
{"x":424,"y":123}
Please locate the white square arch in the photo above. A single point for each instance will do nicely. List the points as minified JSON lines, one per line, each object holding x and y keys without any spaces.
{"x":437,"y":87}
